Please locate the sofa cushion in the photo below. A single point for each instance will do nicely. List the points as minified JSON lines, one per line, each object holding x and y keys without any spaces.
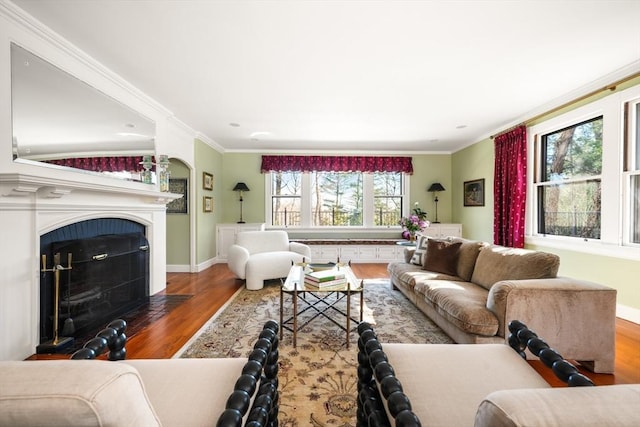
{"x":614,"y":405}
{"x":446,"y":382}
{"x":407,"y":275}
{"x":496,"y":263}
{"x":442,"y":256}
{"x":463,"y":304}
{"x":189,"y":392}
{"x":73,"y":393}
{"x":467,"y":256}
{"x":420,"y":251}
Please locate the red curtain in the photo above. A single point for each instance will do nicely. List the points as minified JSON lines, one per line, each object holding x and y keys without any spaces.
{"x":103,"y":164}
{"x":337,"y":164}
{"x":510,"y":187}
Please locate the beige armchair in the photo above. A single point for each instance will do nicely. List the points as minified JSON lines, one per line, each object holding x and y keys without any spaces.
{"x":261,"y":255}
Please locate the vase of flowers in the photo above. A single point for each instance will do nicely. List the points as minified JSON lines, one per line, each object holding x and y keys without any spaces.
{"x":413,"y":223}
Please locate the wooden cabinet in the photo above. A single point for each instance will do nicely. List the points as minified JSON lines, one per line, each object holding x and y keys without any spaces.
{"x":226,"y":236}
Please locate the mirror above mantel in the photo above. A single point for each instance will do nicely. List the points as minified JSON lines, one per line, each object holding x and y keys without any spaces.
{"x":60,"y":121}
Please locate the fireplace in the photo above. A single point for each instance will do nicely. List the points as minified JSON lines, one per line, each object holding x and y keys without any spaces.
{"x":103,"y":272}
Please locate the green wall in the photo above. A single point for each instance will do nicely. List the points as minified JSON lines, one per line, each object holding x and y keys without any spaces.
{"x":471,"y":163}
{"x":245,"y":167}
{"x":242,"y":167}
{"x":207,"y":160}
{"x":178,"y":235}
{"x":618,"y":273}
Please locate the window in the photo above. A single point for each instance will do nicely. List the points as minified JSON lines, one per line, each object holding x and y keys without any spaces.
{"x":569,"y":191}
{"x":387,"y":198}
{"x":633,"y":169}
{"x":336,"y":199}
{"x":286,"y":199}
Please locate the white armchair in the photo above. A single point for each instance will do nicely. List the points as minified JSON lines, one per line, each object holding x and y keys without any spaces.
{"x":260,"y":255}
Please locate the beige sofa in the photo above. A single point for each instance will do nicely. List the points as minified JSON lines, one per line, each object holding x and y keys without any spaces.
{"x":145,"y":392}
{"x":482,"y":385}
{"x":471,"y":289}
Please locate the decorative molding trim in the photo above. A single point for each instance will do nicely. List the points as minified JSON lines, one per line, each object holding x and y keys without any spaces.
{"x":23,"y":185}
{"x":28,"y":22}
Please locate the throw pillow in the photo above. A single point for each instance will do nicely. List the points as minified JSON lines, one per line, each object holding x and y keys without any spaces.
{"x":442,"y":256}
{"x":421,"y":250}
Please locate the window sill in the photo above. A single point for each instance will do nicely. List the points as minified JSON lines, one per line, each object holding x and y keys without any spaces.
{"x":589,"y":246}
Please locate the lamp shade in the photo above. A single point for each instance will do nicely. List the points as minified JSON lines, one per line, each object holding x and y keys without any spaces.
{"x":241,"y":186}
{"x":436,"y":186}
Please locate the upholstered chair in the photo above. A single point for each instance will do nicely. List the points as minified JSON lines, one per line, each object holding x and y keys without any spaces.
{"x":261,"y":255}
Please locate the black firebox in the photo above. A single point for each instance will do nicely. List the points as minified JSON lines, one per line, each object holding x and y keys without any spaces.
{"x":109,"y":276}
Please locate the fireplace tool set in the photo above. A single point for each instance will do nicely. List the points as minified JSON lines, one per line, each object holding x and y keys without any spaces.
{"x":58,"y":342}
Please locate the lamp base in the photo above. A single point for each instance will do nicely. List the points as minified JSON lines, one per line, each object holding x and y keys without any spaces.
{"x":436,"y":222}
{"x":241,"y":222}
{"x":50,"y":347}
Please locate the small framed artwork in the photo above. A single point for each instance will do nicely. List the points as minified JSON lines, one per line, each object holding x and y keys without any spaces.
{"x":207,"y":181}
{"x":474,"y":192}
{"x":178,"y":186}
{"x":208,"y":204}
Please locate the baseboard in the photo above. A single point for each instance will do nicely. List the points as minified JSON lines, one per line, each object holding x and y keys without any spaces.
{"x":178,"y":268}
{"x":628,"y":313}
{"x":204,"y":265}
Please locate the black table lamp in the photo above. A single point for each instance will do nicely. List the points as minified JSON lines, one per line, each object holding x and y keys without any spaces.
{"x":241,"y":187}
{"x":435,"y":187}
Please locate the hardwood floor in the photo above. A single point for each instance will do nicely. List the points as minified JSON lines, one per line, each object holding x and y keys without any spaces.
{"x":211,"y":288}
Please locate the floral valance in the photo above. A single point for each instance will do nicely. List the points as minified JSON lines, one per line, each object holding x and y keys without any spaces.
{"x":336,"y":164}
{"x":103,"y":164}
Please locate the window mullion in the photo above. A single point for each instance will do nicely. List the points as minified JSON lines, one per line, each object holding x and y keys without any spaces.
{"x":306,"y":200}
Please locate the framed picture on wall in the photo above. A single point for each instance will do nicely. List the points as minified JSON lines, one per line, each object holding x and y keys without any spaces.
{"x":474,"y":192}
{"x":207,"y":181}
{"x":208,"y":204}
{"x":179,"y":186}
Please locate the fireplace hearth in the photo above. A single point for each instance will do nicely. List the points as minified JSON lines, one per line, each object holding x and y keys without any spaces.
{"x":109,"y":276}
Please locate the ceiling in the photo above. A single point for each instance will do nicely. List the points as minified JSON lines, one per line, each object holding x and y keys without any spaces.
{"x":347,"y":76}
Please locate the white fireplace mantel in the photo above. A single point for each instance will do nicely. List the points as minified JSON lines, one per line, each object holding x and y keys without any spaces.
{"x":33,"y":204}
{"x":20,"y":185}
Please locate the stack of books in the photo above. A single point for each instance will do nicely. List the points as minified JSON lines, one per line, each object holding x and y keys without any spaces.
{"x":325,"y":279}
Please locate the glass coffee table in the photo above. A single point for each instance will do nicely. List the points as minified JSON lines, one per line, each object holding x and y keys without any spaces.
{"x":319,"y":301}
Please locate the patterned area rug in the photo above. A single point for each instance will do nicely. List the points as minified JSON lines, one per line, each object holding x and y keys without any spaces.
{"x":318,"y":378}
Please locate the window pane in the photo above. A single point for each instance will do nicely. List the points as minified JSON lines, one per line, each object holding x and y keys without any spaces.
{"x":286,"y":188}
{"x":286,"y":183}
{"x":635,"y":208}
{"x":336,"y":198}
{"x":574,"y":152}
{"x":571,"y":209}
{"x":286,"y":211}
{"x":387,"y":190}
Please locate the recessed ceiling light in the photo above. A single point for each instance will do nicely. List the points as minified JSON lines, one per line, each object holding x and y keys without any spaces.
{"x":129,"y":125}
{"x":461,"y":126}
{"x":235,"y":125}
{"x":257,"y":134}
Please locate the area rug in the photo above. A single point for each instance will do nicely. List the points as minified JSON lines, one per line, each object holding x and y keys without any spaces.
{"x":318,"y":379}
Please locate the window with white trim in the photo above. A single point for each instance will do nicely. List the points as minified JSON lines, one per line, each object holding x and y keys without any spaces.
{"x":632,"y":169}
{"x":569,"y":189}
{"x":585,"y":180}
{"x":336,"y":199}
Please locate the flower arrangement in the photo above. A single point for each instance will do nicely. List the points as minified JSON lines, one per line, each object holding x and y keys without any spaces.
{"x":414,"y":223}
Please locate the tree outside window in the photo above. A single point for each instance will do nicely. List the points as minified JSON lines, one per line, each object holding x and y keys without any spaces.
{"x":569,"y":192}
